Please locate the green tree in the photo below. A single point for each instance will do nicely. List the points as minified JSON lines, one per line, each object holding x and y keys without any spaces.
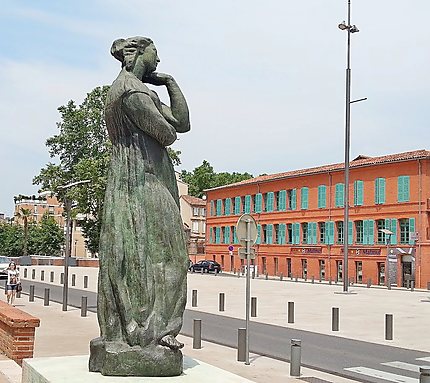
{"x":25,"y":215}
{"x":203,"y":177}
{"x":47,"y":238}
{"x":11,"y":240}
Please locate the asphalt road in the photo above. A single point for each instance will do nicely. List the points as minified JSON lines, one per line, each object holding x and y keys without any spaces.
{"x":321,"y":352}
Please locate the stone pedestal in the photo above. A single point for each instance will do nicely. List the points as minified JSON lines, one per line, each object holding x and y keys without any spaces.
{"x":74,"y":369}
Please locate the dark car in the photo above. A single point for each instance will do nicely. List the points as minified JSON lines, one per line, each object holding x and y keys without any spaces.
{"x":206,"y":266}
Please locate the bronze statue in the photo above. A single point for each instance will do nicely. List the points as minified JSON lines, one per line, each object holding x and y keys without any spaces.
{"x":143,"y":257}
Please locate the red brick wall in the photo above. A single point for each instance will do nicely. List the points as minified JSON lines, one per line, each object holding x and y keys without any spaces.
{"x":17,"y":330}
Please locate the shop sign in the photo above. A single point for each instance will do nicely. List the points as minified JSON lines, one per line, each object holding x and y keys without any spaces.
{"x":306,"y":250}
{"x":358,"y":251}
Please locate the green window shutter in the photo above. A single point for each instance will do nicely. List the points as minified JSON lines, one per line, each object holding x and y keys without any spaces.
{"x":218,"y":206}
{"x":411,"y":230}
{"x":393,"y":228}
{"x":365,"y":232}
{"x":269,"y":231}
{"x":227,"y":234}
{"x":282,"y":233}
{"x":217,"y":234}
{"x":236,"y":205}
{"x":377,"y":191}
{"x":304,"y":198}
{"x":282,"y":200}
{"x":212,"y":208}
{"x":330,"y":232}
{"x":258,"y":240}
{"x":387,"y":225}
{"x":358,"y":193}
{"x":293,"y":199}
{"x":350,"y":233}
{"x":270,"y":198}
{"x":211,"y":235}
{"x":381,"y":190}
{"x":227,"y":206}
{"x":258,"y":203}
{"x":247,"y":204}
{"x":371,"y":231}
{"x":235,"y":235}
{"x":314,"y":233}
{"x":322,"y":196}
{"x":339,"y":196}
{"x":297,"y":233}
{"x":403,"y":189}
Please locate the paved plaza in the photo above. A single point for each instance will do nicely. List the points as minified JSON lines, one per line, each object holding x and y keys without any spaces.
{"x":361,"y":317}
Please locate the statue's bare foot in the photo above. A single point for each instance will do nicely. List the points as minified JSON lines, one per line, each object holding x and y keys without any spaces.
{"x":171,"y":342}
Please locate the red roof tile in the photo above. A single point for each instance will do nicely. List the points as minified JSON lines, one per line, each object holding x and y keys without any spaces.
{"x":194,"y":200}
{"x":360,"y":161}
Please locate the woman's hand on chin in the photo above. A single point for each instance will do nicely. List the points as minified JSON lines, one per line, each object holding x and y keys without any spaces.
{"x":158,"y":78}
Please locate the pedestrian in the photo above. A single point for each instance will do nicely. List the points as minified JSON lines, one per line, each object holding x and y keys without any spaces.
{"x":12,"y":282}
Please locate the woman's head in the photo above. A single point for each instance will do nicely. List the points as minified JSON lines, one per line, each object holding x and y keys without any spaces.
{"x":128,"y":51}
{"x":12,"y":265}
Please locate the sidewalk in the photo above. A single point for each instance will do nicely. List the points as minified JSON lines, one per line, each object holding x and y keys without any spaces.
{"x":67,"y":333}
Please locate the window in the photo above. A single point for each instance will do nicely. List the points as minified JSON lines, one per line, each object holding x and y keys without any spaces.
{"x":322,"y":269}
{"x":339,"y":195}
{"x":339,"y":270}
{"x":280,"y":233}
{"x":227,"y":234}
{"x":380,"y":224}
{"x":268,"y":234}
{"x":391,"y":224}
{"x":195,"y":211}
{"x":379,"y":191}
{"x":403,"y":189}
{"x":247,"y":205}
{"x":339,"y":226}
{"x":276,"y":201}
{"x":304,"y":269}
{"x":329,"y":233}
{"x":296,"y":233}
{"x":288,"y":267}
{"x":237,"y":202}
{"x":358,"y":193}
{"x":322,"y":231}
{"x":304,"y":198}
{"x":217,"y":235}
{"x":195,"y":227}
{"x":290,"y":233}
{"x":233,"y":229}
{"x":218,"y":206}
{"x":292,"y":199}
{"x":322,"y":196}
{"x":227,"y":206}
{"x":276,"y":261}
{"x":268,"y":202}
{"x":368,"y":232}
{"x":203,"y":212}
{"x":407,"y":226}
{"x":359,"y":229}
{"x":312,"y":233}
{"x":305,"y":232}
{"x":359,"y":271}
{"x":51,"y":210}
{"x":258,"y":240}
{"x":281,"y":202}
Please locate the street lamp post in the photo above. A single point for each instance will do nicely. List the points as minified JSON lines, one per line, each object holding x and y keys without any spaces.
{"x":350,"y":29}
{"x":68,"y":208}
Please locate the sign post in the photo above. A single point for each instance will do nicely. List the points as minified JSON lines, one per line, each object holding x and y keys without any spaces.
{"x":247,"y":234}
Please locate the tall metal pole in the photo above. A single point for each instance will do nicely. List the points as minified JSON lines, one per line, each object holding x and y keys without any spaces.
{"x":248,"y":287}
{"x":68,"y":206}
{"x":347,"y":146}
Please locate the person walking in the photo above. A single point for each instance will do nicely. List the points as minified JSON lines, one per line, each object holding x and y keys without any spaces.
{"x":12,"y":282}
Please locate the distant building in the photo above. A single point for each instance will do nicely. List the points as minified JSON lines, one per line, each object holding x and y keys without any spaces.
{"x":38,"y":206}
{"x":300,"y":221}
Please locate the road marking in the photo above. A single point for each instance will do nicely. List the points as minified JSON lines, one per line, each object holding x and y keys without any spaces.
{"x":425,"y":359}
{"x":403,"y":366}
{"x":382,"y":375}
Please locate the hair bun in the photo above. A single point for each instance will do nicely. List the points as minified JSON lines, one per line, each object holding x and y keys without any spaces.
{"x":117,"y":49}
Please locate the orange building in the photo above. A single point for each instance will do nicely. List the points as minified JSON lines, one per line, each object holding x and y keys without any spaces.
{"x":299,"y":218}
{"x":38,"y":206}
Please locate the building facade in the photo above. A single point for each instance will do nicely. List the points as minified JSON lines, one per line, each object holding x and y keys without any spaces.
{"x":38,"y":206}
{"x":300,"y":213}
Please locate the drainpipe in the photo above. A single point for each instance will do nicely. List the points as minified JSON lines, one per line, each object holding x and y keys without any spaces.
{"x":418,"y":256}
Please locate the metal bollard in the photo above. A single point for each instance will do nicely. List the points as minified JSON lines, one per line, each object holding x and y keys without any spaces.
{"x":52,"y":276}
{"x":313,"y":279}
{"x":241,"y":345}
{"x":290,"y":312}
{"x":330,"y":281}
{"x":253,"y":307}
{"x":238,"y":274}
{"x":84,"y":306}
{"x":73,"y":279}
{"x":46,"y":298}
{"x":234,"y":271}
{"x":296,"y":356}
{"x":42,"y":275}
{"x":335,"y":319}
{"x":428,"y":285}
{"x":388,"y":326}
{"x":197,"y":333}
{"x":33,"y":274}
{"x":389,"y":286}
{"x":194,"y":299}
{"x":31,"y":296}
{"x":424,"y":374}
{"x":408,"y":284}
{"x":221,"y":302}
{"x":297,"y":278}
{"x":412,"y":285}
{"x":291,"y":276}
{"x":253,"y":274}
{"x":267,"y":276}
{"x":281,"y":277}
{"x":25,"y":274}
{"x":369,"y":283}
{"x":85,"y":281}
{"x":61,"y":278}
{"x":257,"y":273}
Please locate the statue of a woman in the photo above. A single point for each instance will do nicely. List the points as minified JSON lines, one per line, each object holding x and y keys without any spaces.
{"x":143,"y":257}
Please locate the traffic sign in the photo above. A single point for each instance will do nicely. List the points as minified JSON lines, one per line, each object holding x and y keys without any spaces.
{"x":241,"y":226}
{"x":230,"y":248}
{"x":242,"y":253}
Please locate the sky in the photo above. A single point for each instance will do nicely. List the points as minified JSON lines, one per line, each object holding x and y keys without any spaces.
{"x":264,"y":81}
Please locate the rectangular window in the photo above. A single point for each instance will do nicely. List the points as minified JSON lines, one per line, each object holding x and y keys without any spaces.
{"x":339,"y":195}
{"x":304,"y":269}
{"x":391,"y":224}
{"x":339,"y":270}
{"x":359,"y":271}
{"x":329,"y":233}
{"x":368,"y":232}
{"x":312,"y":233}
{"x":289,"y":267}
{"x":51,"y":210}
{"x":404,"y":230}
{"x":227,"y":206}
{"x":292,"y":199}
{"x":217,"y":235}
{"x":305,"y":232}
{"x":258,"y":203}
{"x":269,"y":234}
{"x":235,"y":240}
{"x":280,"y":233}
{"x":258,"y":241}
{"x":339,"y":227}
{"x":322,"y":231}
{"x":268,"y":203}
{"x":218,"y":206}
{"x":247,"y":204}
{"x":359,"y":229}
{"x":203,"y":212}
{"x":358,"y":193}
{"x":322,"y":196}
{"x":237,"y":201}
{"x":322,"y":269}
{"x":276,"y":265}
{"x":227,"y":234}
{"x":304,"y":198}
{"x":296,"y":233}
{"x":379,"y":191}
{"x":403,"y":189}
{"x":282,"y":200}
{"x":212,"y":208}
{"x":290,"y":233}
{"x":411,"y":230}
{"x":195,"y":211}
{"x":380,"y":224}
{"x":195,"y":226}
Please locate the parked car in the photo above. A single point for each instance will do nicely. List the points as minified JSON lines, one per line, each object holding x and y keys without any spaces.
{"x":207,"y":266}
{"x":4,"y":264}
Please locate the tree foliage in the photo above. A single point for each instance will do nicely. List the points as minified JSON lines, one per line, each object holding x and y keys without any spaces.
{"x":203,"y":177}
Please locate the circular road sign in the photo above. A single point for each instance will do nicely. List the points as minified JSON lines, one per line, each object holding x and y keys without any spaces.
{"x":230,"y":248}
{"x":241,"y":226}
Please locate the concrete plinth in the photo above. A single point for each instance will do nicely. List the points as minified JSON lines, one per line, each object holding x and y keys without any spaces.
{"x":74,"y":369}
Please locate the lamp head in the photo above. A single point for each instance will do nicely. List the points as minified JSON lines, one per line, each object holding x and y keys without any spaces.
{"x":354,"y":29}
{"x":342,"y":26}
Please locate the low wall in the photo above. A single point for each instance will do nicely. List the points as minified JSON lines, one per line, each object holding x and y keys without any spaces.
{"x":56,"y":261}
{"x":17,"y":330}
